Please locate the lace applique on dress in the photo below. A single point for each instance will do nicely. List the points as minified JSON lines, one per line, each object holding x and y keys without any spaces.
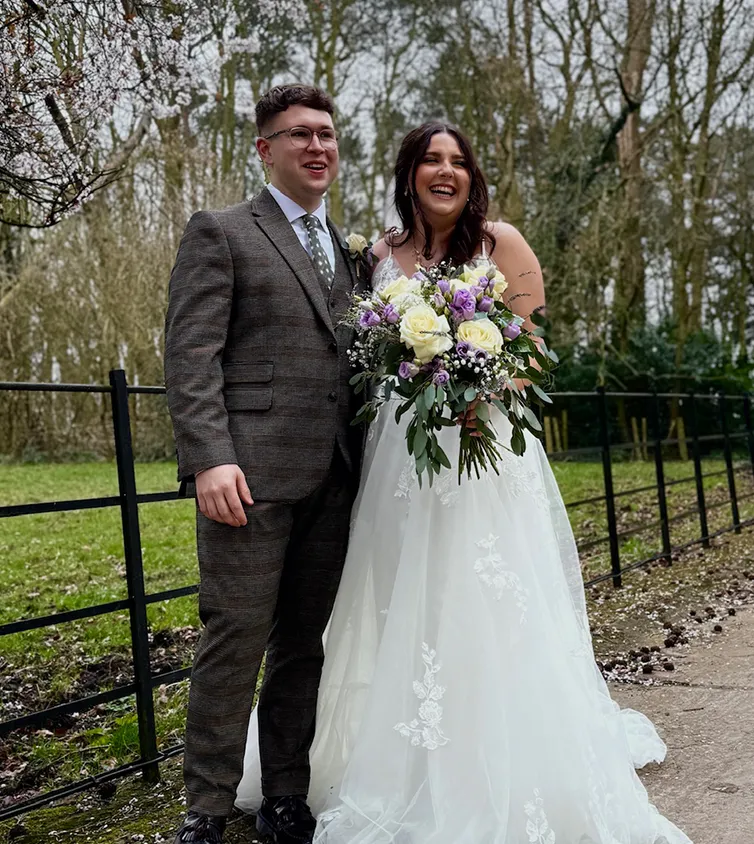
{"x":498,"y":579}
{"x":445,"y":487}
{"x":406,"y":480}
{"x":522,"y":481}
{"x":538,"y":827}
{"x":425,"y":730}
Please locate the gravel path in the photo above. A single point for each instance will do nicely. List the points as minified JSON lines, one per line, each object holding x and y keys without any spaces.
{"x":705,"y":713}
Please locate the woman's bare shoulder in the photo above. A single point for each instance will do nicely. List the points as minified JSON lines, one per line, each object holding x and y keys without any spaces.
{"x":505,"y":233}
{"x":381,"y":249}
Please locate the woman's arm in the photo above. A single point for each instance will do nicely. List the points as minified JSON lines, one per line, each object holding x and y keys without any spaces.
{"x":525,"y":294}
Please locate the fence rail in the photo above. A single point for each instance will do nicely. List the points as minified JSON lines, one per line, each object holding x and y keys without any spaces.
{"x":129,"y":501}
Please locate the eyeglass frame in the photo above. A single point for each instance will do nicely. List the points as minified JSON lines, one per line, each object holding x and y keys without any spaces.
{"x":314,"y":132}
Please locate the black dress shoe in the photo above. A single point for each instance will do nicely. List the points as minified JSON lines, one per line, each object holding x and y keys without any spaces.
{"x":286,"y":820}
{"x":200,"y":829}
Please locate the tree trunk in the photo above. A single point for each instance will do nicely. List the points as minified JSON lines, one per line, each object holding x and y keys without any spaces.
{"x":629,"y":307}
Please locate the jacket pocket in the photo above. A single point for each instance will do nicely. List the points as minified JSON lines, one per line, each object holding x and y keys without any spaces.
{"x":240,"y":397}
{"x":248,"y":373}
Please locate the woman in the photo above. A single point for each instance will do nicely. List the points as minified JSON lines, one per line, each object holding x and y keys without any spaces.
{"x":460,"y":701}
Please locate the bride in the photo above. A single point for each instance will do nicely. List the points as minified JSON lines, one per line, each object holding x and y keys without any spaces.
{"x":460,"y":701}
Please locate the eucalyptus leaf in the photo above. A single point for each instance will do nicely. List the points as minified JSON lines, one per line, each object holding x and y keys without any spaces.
{"x":531,"y":418}
{"x":542,"y":394}
{"x":420,"y":440}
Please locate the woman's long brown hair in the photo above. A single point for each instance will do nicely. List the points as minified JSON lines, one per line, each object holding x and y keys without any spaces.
{"x":471,"y":228}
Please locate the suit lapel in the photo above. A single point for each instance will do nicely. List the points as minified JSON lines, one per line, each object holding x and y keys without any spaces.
{"x":280,"y":233}
{"x":341,"y":244}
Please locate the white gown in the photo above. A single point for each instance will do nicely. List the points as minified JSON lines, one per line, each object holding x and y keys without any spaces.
{"x":460,"y":701}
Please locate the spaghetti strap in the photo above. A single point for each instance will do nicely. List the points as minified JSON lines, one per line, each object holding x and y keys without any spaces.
{"x":484,"y":250}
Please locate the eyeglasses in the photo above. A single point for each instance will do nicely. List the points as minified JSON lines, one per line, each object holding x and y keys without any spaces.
{"x":301,"y":137}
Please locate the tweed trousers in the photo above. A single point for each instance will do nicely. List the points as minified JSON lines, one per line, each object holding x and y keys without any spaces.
{"x":268,"y":585}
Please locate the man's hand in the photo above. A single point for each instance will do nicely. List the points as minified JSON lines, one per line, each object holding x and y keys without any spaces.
{"x":220,"y":491}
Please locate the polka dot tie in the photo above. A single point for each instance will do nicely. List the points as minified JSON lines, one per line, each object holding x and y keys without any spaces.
{"x":319,"y":256}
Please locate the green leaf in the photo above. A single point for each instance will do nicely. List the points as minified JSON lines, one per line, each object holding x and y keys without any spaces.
{"x":411,"y":435}
{"x":420,"y":440}
{"x":470,"y":394}
{"x":402,"y":409}
{"x":429,"y":396}
{"x":442,"y":457}
{"x":483,"y":411}
{"x":542,"y":394}
{"x":531,"y":418}
{"x":440,"y":397}
{"x":355,"y":379}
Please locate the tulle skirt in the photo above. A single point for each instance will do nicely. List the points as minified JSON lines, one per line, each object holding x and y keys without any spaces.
{"x":460,"y":702}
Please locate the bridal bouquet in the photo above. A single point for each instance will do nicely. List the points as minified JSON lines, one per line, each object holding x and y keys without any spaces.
{"x":445,"y":344}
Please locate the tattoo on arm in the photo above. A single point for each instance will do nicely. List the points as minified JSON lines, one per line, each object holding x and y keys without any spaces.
{"x":517,"y":296}
{"x":528,"y":272}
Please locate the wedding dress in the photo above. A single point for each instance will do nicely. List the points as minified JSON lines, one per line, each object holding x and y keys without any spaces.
{"x":460,"y":701}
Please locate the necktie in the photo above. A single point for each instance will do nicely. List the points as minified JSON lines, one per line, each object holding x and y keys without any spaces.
{"x":321,"y":261}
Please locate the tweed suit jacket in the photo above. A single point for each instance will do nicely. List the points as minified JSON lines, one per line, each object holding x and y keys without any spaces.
{"x":255,"y":358}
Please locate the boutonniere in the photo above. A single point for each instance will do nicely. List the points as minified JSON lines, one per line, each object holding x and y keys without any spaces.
{"x":360,"y":250}
{"x":357,"y":245}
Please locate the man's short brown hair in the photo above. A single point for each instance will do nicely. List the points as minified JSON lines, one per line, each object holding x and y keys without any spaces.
{"x":282,"y":97}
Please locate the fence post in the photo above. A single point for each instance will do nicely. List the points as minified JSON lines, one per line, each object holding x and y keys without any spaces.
{"x":662,"y":500}
{"x":607,"y":471}
{"x":729,"y":464}
{"x":698,"y":474}
{"x":129,"y":510}
{"x":749,"y":430}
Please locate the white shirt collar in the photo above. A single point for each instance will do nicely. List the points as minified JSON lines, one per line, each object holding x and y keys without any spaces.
{"x":293,"y":211}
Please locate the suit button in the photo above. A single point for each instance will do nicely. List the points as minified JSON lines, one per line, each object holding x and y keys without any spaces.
{"x":333,"y":396}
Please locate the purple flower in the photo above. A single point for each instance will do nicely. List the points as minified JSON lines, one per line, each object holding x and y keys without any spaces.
{"x":369,"y":319}
{"x":463,"y":306}
{"x":511,"y":331}
{"x":419,"y":276}
{"x":433,"y":365}
{"x":438,"y":300}
{"x":480,"y":355}
{"x":486,"y":304}
{"x":390,"y":314}
{"x":463,"y":348}
{"x":444,"y":286}
{"x":407,"y":370}
{"x":483,"y":281}
{"x":441,"y":378}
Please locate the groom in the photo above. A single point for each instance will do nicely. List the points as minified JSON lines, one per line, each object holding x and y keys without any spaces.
{"x":257,"y":385}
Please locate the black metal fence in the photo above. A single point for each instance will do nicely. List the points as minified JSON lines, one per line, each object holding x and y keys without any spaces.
{"x":129,"y":500}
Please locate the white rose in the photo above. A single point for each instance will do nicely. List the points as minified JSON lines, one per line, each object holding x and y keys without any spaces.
{"x":404,"y":301}
{"x":425,"y":332}
{"x":459,"y":284}
{"x":399,"y":287}
{"x":356,"y":243}
{"x":482,"y":334}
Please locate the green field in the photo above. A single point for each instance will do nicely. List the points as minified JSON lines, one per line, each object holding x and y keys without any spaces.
{"x":62,"y":561}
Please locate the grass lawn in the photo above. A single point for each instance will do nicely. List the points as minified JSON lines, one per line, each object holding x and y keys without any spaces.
{"x":61,"y":561}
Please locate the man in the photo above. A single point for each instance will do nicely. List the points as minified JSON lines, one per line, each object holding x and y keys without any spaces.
{"x":257,"y":383}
